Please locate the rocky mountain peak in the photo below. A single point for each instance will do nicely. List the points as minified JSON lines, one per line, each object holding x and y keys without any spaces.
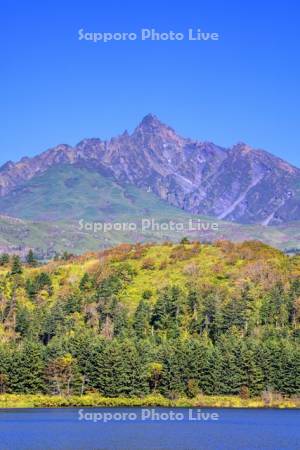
{"x":237,"y":184}
{"x":242,"y":147}
{"x":7,"y":166}
{"x":150,"y":122}
{"x":152,"y":133}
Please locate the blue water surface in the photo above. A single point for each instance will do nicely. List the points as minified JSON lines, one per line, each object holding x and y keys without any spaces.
{"x":235,"y":429}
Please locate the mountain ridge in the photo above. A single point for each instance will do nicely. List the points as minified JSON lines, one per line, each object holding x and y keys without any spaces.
{"x":239,"y":184}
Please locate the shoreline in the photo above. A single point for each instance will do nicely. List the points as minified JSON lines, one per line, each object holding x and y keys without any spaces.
{"x":15,"y":401}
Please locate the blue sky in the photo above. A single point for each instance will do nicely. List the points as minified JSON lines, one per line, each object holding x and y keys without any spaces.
{"x":57,"y":89}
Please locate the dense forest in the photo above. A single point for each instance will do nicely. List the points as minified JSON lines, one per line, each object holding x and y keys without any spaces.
{"x":172,"y":319}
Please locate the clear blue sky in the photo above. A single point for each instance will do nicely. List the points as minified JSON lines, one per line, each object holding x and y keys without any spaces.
{"x":57,"y":89}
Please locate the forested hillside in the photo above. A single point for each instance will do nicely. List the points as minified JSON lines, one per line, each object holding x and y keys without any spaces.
{"x":185,"y":319}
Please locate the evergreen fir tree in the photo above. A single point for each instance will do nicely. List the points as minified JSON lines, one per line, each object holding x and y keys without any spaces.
{"x":26,"y":369}
{"x":141,"y":323}
{"x":16,"y":268}
{"x":31,"y":260}
{"x":4,"y":259}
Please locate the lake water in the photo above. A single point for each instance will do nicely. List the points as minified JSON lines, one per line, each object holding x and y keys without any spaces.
{"x":93,"y":429}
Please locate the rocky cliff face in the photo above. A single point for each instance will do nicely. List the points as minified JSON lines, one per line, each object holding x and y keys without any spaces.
{"x":238,"y":184}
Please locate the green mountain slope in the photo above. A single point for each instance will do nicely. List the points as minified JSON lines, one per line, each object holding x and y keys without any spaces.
{"x":58,"y":210}
{"x":68,"y":192}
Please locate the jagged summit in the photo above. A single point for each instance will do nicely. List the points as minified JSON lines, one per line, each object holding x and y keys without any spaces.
{"x":150,"y":120}
{"x":238,"y":184}
{"x":7,"y":166}
{"x":151,"y":123}
{"x":241,"y":146}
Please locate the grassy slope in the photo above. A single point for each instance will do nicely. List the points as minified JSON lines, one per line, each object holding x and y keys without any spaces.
{"x":211,"y":267}
{"x":51,"y":206}
{"x":66,"y":193}
{"x":50,"y":237}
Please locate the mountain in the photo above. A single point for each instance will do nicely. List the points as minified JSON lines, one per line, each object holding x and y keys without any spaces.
{"x":72,"y":192}
{"x":240,"y":184}
{"x":50,"y":237}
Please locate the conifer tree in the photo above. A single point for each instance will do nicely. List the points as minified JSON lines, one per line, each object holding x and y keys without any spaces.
{"x":26,"y":369}
{"x":141,"y":323}
{"x":4,"y":259}
{"x":16,"y":268}
{"x":31,"y":260}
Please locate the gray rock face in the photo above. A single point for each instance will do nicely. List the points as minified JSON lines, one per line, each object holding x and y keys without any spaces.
{"x":239,"y":184}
